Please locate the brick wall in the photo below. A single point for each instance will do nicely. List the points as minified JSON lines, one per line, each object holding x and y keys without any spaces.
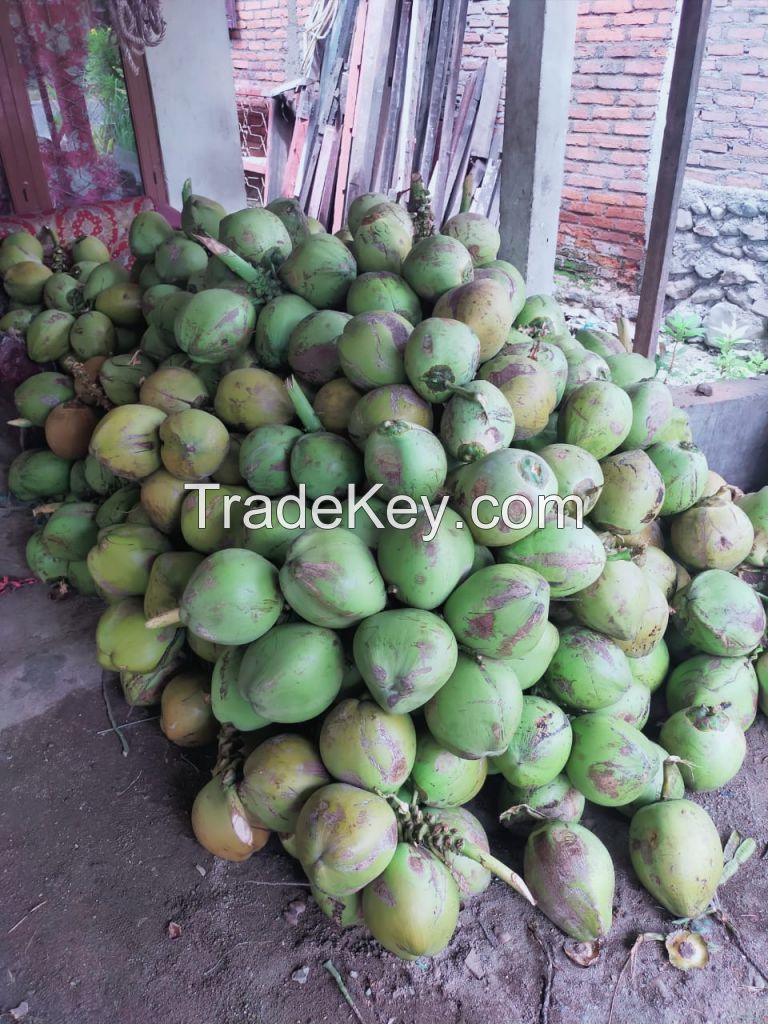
{"x":730,"y":142}
{"x":622,"y":49}
{"x":260,"y":42}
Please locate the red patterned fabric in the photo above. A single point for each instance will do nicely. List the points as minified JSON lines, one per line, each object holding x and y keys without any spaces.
{"x":108,"y":221}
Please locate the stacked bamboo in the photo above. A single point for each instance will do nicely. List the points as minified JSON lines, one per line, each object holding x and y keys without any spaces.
{"x":384,"y":107}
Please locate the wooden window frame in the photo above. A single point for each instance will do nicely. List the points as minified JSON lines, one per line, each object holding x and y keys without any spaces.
{"x":19,"y":152}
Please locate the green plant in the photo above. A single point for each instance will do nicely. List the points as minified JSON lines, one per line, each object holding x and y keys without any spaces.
{"x":677,"y":327}
{"x":104,"y":79}
{"x":737,"y":367}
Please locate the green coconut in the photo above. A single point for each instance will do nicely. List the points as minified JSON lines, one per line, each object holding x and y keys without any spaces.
{"x":126,"y":441}
{"x":676,"y":853}
{"x":404,"y":656}
{"x":568,"y":555}
{"x":652,"y":406}
{"x":611,"y":761}
{"x":215,"y":325}
{"x":499,"y":611}
{"x":528,"y":386}
{"x":48,"y":335}
{"x":476,"y":421}
{"x":588,"y":672}
{"x":499,"y":495}
{"x":38,"y":473}
{"x":710,"y":744}
{"x":232,"y":597}
{"x":477,"y":234}
{"x":476,"y":712}
{"x":121,"y":559}
{"x":597,"y":417}
{"x":442,"y":779}
{"x":423,"y":573}
{"x":383,"y":291}
{"x":435,"y":264}
{"x":345,"y":838}
{"x":250,"y":398}
{"x":331,"y":579}
{"x":578,"y":473}
{"x":632,"y":494}
{"x":570,"y":873}
{"x":412,"y":908}
{"x":540,"y":746}
{"x":405,"y":459}
{"x":715,"y":534}
{"x":320,"y":270}
{"x":312,"y":346}
{"x":275,"y":323}
{"x":370,"y":349}
{"x":524,"y":808}
{"x":366,"y":746}
{"x":391,"y":402}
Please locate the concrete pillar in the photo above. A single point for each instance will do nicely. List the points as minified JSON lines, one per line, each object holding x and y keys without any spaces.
{"x":194,"y":96}
{"x":542,"y":35}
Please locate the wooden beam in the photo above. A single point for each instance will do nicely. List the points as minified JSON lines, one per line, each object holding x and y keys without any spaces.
{"x":542,"y":37}
{"x":689,"y":51}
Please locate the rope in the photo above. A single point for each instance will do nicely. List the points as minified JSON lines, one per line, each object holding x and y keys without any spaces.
{"x":318,"y":25}
{"x":138,"y":24}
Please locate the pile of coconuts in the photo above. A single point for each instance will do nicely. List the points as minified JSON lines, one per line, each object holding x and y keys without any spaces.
{"x":365,"y":684}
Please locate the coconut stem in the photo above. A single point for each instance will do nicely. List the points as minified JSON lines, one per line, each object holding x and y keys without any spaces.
{"x":47,"y":509}
{"x":422,"y":829}
{"x":230,"y":259}
{"x":420,"y":208}
{"x":496,"y":867}
{"x":230,"y":754}
{"x":186,"y":190}
{"x":171,"y":618}
{"x":301,"y":404}
{"x":90,"y":387}
{"x":667,"y":785}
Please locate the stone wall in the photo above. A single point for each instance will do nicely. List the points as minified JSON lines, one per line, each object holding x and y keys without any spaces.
{"x":721,"y":248}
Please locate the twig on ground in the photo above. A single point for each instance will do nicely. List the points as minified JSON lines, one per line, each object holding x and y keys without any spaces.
{"x":127,"y":725}
{"x":630,"y":961}
{"x":546,"y":996}
{"x":330,"y":967}
{"x":730,"y":927}
{"x":124,"y":791}
{"x":28,"y":914}
{"x":282,"y":885}
{"x":111,"y":715}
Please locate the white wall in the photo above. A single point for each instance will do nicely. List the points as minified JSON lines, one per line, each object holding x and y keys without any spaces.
{"x":194,"y":94}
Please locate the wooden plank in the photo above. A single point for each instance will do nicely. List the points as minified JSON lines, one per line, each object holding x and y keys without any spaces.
{"x":460,"y":161}
{"x":349,"y":109}
{"x":488,"y":108}
{"x":420,"y":22}
{"x":689,"y":50}
{"x":335,"y":52}
{"x":382,"y":177}
{"x":481,"y":202}
{"x":433,"y":107}
{"x":278,"y":145}
{"x":370,"y":91}
{"x":326,"y":200}
{"x":330,"y":136}
{"x":294,"y":155}
{"x":27,"y":181}
{"x":438,"y":175}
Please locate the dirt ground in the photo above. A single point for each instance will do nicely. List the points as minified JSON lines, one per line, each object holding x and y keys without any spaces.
{"x":97,"y":859}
